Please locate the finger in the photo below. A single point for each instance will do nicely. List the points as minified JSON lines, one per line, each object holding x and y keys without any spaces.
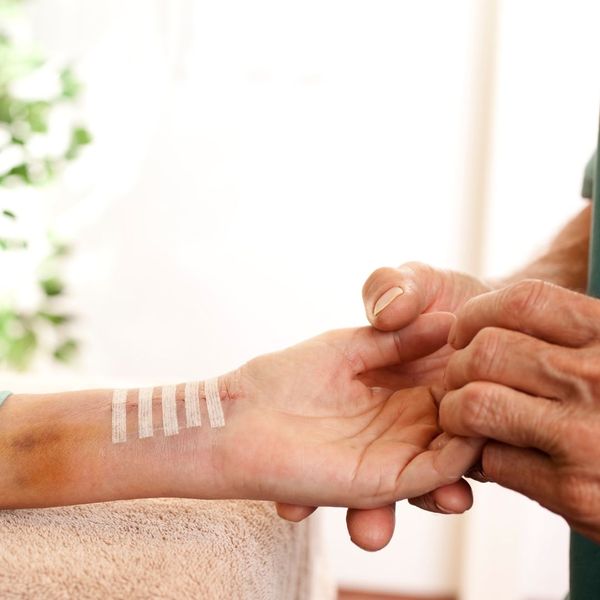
{"x":371,"y":529}
{"x":523,"y":470}
{"x":294,"y":512}
{"x":433,"y":469}
{"x":395,"y":297}
{"x":514,"y":360}
{"x":537,"y":308}
{"x":370,"y":349}
{"x":455,"y":498}
{"x":491,"y":410}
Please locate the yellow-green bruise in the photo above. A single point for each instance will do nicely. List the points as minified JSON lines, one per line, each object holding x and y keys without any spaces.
{"x":41,"y":460}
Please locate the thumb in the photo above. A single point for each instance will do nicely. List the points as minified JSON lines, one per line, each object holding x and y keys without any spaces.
{"x":394,"y":298}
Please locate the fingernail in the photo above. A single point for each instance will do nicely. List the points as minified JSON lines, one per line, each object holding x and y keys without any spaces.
{"x":387,"y":299}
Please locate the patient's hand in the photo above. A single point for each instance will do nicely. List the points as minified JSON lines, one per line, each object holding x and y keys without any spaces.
{"x":308,"y":427}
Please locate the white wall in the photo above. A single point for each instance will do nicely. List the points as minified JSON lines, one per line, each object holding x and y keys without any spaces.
{"x":254,"y":161}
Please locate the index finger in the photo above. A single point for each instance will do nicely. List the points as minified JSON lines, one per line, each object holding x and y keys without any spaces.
{"x":373,"y":349}
{"x":534,"y":307}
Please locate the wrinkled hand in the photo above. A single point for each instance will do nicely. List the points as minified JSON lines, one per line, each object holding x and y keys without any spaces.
{"x":313,"y":432}
{"x":393,"y":299}
{"x":527,"y":375}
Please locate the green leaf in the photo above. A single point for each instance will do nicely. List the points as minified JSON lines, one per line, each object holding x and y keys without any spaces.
{"x":12,"y":244}
{"x":36,"y":115}
{"x":79,"y":137}
{"x":70,"y":84}
{"x":9,"y":214}
{"x":20,"y":171}
{"x":52,"y":286}
{"x":20,"y":350}
{"x":55,"y":319}
{"x":59,"y":248}
{"x":82,"y":136}
{"x":66,"y":351}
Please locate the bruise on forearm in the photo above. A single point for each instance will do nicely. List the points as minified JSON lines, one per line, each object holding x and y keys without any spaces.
{"x":37,"y":460}
{"x":39,"y":455}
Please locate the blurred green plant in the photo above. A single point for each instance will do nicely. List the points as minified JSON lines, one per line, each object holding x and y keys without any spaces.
{"x":25,"y":333}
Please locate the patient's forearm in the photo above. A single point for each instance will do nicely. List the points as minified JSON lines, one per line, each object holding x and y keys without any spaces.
{"x":57,"y":449}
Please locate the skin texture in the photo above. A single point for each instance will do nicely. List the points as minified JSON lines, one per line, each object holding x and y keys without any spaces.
{"x":527,"y":375}
{"x":301,"y":426}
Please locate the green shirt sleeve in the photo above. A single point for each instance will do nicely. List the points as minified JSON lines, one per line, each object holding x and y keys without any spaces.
{"x":587,"y":189}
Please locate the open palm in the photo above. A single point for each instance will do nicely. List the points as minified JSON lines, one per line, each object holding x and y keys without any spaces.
{"x":318,"y":429}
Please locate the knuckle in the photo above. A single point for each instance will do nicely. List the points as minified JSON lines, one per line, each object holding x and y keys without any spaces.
{"x":523,"y":297}
{"x":583,"y":373}
{"x":416,"y":268}
{"x":486,"y":352}
{"x":574,"y":371}
{"x":474,"y":408}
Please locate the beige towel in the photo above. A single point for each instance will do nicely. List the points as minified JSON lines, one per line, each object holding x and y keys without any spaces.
{"x":160,"y":548}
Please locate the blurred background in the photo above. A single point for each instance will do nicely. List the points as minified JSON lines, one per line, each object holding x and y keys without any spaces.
{"x":187,"y":184}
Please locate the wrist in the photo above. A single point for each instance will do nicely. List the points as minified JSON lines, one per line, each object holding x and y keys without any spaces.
{"x":197,"y":460}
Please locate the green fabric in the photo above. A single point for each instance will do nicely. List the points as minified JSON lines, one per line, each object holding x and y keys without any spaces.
{"x":3,"y":397}
{"x":585,"y":554}
{"x":587,"y":189}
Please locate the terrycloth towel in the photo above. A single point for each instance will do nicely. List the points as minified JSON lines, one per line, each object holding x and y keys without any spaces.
{"x":161,"y":548}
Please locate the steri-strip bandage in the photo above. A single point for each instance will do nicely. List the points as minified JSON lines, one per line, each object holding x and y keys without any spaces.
{"x":168,"y":397}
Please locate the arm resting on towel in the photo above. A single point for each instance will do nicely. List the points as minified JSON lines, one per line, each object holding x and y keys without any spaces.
{"x":326,"y":422}
{"x":57,"y":449}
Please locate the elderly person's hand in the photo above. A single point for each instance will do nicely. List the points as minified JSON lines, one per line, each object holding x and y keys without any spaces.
{"x":527,"y":375}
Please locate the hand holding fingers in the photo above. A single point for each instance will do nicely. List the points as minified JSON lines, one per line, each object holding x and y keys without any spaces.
{"x":515,"y":360}
{"x":537,"y":308}
{"x":526,"y":374}
{"x":490,"y":410}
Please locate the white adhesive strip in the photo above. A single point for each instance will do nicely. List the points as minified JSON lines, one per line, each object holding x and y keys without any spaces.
{"x":119,"y":416}
{"x":145,"y":429}
{"x":169,"y":410}
{"x":213,"y":403}
{"x":192,"y":405}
